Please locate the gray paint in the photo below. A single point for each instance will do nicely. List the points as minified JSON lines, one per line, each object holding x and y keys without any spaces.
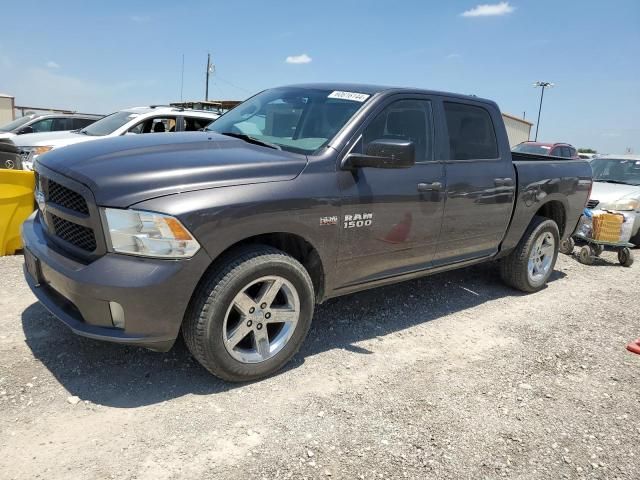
{"x":225,"y":191}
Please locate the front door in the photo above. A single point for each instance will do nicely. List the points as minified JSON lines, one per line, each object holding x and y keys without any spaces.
{"x":390,"y":220}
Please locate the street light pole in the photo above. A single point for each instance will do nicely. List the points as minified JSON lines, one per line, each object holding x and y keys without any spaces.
{"x":206,"y":91}
{"x":543,"y":85}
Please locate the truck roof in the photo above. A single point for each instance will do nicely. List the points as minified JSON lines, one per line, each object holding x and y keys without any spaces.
{"x":374,"y":89}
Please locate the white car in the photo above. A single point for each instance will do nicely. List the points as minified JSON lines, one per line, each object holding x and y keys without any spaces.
{"x":616,"y":187}
{"x":132,"y":121}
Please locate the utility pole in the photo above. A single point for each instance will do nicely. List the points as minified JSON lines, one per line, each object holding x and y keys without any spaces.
{"x":210,"y":69}
{"x":182,"y":78}
{"x":543,"y":85}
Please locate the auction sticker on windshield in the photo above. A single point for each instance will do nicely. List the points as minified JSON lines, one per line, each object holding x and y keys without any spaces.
{"x":353,"y":96}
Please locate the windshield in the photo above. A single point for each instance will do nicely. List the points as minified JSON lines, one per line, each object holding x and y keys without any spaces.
{"x":529,"y":148}
{"x":616,"y":171}
{"x":300,"y":120}
{"x":109,"y":124}
{"x":18,"y":122}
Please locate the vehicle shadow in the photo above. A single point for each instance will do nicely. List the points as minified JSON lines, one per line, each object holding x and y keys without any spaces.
{"x":125,"y":377}
{"x":609,"y":259}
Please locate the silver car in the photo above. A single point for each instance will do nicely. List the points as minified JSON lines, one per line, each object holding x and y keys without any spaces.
{"x":616,"y":187}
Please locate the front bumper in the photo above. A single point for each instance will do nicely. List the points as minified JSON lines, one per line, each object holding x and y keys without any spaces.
{"x":153,"y":293}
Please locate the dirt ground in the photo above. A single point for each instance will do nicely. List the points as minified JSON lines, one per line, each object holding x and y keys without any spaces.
{"x":452,"y":376}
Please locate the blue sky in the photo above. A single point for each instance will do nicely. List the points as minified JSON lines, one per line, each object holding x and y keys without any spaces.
{"x":98,"y":57}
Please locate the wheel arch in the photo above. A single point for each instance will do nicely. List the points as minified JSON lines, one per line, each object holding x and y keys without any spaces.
{"x":554,"y":210}
{"x":293,"y":244}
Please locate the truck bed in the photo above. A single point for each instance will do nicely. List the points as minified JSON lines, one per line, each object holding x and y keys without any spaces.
{"x":542,"y":179}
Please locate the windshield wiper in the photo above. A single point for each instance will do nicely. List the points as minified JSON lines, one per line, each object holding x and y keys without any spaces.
{"x":250,"y":139}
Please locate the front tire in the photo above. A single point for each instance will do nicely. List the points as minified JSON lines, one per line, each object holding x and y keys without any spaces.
{"x":529,"y":266}
{"x":250,"y":314}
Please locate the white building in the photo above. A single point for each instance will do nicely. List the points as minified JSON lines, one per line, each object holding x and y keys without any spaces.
{"x":7,"y":104}
{"x":518,"y":129}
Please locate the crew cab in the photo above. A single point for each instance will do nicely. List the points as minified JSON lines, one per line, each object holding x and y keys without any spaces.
{"x":299,"y":194}
{"x":137,"y":120}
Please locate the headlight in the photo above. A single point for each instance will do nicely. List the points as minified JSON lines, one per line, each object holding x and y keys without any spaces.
{"x":32,"y":154}
{"x":40,"y":150}
{"x":148,"y":234}
{"x":623,"y":205}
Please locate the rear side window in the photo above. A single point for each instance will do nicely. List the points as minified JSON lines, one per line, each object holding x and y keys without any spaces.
{"x":471,"y":132}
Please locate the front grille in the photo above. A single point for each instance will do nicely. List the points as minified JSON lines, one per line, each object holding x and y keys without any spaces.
{"x":66,"y":198}
{"x":592,"y":203}
{"x":78,"y":235}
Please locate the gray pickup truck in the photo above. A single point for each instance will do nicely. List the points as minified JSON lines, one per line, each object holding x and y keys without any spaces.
{"x":297,"y":195}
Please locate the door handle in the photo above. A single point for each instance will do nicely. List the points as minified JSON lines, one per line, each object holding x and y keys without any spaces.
{"x":429,"y":187}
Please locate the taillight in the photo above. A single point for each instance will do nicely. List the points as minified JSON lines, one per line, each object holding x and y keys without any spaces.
{"x":589,"y":196}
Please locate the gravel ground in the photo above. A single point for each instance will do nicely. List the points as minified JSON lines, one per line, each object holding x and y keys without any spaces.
{"x":452,"y":376}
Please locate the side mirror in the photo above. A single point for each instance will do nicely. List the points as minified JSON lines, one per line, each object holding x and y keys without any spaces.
{"x":384,"y":153}
{"x":27,"y":129}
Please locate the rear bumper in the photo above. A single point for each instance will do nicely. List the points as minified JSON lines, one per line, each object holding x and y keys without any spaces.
{"x":153,"y":294}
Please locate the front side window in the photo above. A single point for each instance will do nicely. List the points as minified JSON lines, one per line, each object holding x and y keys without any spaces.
{"x":403,"y":120}
{"x":300,"y":120}
{"x":82,"y":122}
{"x":471,"y":132}
{"x":195,"y":124}
{"x":61,"y":124}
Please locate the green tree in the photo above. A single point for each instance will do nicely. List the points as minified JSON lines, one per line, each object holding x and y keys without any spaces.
{"x":586,"y":150}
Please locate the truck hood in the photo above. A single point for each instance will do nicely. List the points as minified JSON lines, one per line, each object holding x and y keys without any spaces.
{"x":610,"y":192}
{"x":54,"y":139}
{"x":7,"y":135}
{"x":122,"y":171}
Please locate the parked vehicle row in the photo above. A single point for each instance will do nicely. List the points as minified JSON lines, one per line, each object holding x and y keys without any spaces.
{"x":37,"y":123}
{"x":297,"y":195}
{"x":132,"y":121}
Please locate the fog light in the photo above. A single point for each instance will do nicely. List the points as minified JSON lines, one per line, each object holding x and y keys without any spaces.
{"x":117,"y":314}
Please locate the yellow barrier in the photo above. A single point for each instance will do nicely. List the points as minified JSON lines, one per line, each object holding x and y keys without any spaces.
{"x":16,"y":204}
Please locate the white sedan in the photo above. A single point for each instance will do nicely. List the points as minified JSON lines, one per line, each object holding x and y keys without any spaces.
{"x":616,"y":187}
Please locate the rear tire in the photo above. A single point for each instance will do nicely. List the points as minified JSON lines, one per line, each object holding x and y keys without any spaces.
{"x":217,"y":315}
{"x":515,"y":269}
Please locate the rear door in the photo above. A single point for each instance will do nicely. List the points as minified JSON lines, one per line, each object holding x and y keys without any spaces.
{"x":390,"y":219}
{"x":480,"y":182}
